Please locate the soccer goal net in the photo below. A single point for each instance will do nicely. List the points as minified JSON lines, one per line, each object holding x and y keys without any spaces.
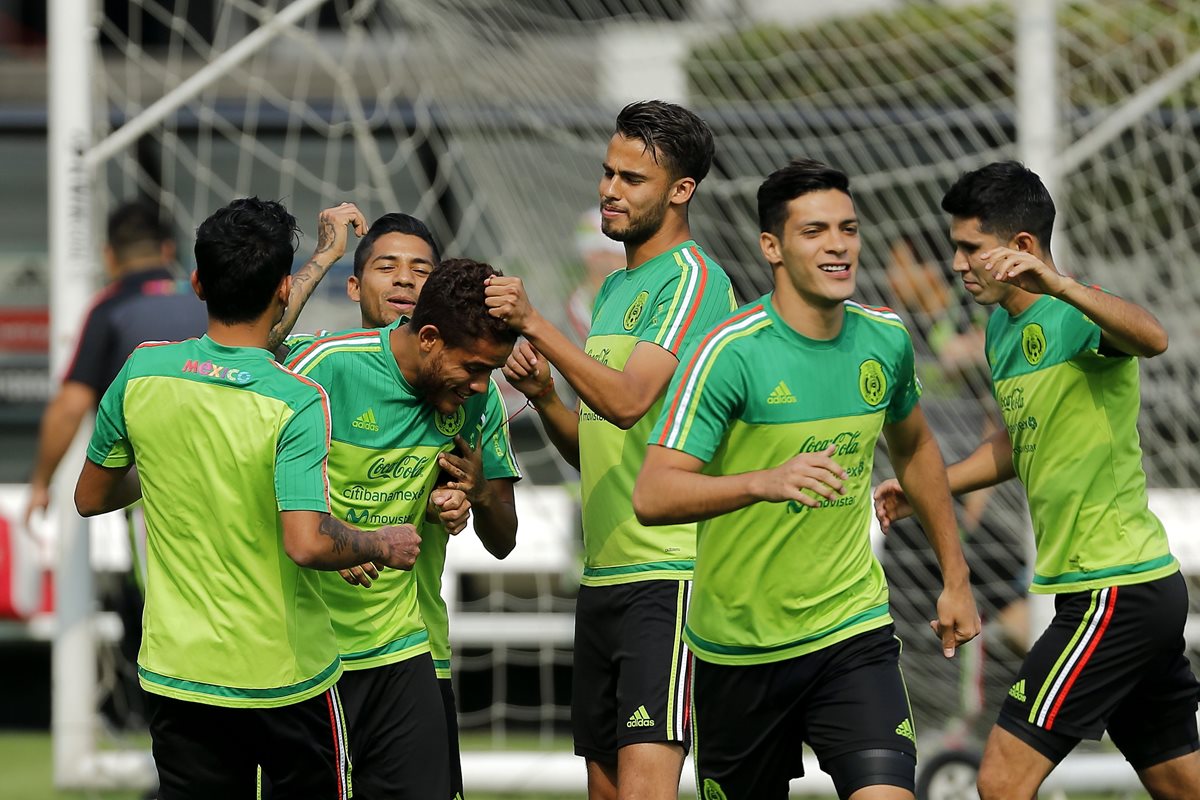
{"x":489,"y":118}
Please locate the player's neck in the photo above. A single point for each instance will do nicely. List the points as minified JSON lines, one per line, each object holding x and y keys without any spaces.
{"x":407,"y":352}
{"x":241,"y":334}
{"x":1017,"y":300}
{"x":673,"y":232}
{"x":819,"y":322}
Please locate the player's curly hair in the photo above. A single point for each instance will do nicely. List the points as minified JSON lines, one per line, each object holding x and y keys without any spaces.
{"x":452,"y":300}
{"x":798,"y":178}
{"x":677,"y":139}
{"x":1007,"y":198}
{"x":242,"y":252}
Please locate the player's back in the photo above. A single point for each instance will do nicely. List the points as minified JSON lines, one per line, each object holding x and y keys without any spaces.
{"x":229,"y":615}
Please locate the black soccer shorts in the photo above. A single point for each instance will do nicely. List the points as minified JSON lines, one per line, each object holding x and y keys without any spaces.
{"x":204,"y":751}
{"x":749,"y":721}
{"x":631,"y":667}
{"x":1112,"y":658}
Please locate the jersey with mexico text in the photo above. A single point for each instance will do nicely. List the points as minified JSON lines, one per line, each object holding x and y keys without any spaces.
{"x":671,"y":301}
{"x":382,"y":468}
{"x":1071,"y":413}
{"x":223,"y":439}
{"x":498,"y":463}
{"x":778,"y":580}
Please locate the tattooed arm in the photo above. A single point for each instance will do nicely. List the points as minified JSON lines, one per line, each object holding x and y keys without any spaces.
{"x":333,"y":234}
{"x":320,"y":541}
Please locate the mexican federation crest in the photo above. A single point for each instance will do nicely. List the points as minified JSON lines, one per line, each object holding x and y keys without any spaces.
{"x":872,"y":382}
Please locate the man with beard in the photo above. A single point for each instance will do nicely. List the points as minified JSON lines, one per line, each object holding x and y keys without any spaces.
{"x":629,"y":704}
{"x":400,"y":397}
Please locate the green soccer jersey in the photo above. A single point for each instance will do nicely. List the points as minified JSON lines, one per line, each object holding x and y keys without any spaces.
{"x":671,"y":300}
{"x":223,"y":439}
{"x":777,"y":580}
{"x":1072,"y":415}
{"x":382,"y":468}
{"x":498,"y":462}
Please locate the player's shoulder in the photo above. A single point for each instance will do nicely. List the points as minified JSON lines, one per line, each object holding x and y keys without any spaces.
{"x":306,"y":352}
{"x":740,"y":331}
{"x":878,"y":320}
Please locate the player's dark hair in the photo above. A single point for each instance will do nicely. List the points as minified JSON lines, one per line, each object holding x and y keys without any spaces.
{"x":452,"y":300}
{"x":136,"y":226}
{"x":798,"y":178}
{"x":393,"y":223}
{"x":1006,"y":198}
{"x":676,"y":138}
{"x":243,"y":251}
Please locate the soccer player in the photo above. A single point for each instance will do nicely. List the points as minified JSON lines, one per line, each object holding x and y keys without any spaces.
{"x":401,"y":397}
{"x":391,"y":264}
{"x":1063,"y":357}
{"x":767,"y":439}
{"x":238,"y":654}
{"x":629,"y":706}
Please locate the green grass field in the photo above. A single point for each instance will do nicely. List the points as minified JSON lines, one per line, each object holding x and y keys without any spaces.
{"x":25,"y":765}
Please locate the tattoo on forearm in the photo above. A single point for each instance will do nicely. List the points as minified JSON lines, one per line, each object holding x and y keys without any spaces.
{"x":303,"y":284}
{"x":326,"y":236}
{"x":347,"y":539}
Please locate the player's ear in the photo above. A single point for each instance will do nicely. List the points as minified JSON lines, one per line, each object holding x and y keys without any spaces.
{"x":769,"y":244}
{"x":683,"y":190}
{"x":429,"y":338}
{"x":1025,"y":242}
{"x":196,"y":287}
{"x":284,"y":290}
{"x":353,"y":289}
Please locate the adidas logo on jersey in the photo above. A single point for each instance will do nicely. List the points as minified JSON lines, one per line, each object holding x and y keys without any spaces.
{"x":1017,"y":692}
{"x":366,"y":421}
{"x":640,"y":719}
{"x":780,"y":395}
{"x":905,"y":729}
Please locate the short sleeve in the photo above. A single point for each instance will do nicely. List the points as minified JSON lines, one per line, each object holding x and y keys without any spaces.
{"x":908,"y":387}
{"x":301,"y":457}
{"x":110,"y":445}
{"x":496,"y":451}
{"x":1079,"y":334}
{"x":689,"y":305}
{"x":295,"y":344}
{"x":93,"y":353}
{"x":706,"y":394}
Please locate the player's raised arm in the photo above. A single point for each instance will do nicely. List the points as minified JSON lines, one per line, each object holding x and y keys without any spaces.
{"x":621,"y":396}
{"x":671,"y":488}
{"x":920,"y":470}
{"x":333,"y":233}
{"x":529,"y":373}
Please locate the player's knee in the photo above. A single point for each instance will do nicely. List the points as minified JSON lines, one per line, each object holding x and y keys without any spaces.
{"x":994,"y":782}
{"x":853,"y":771}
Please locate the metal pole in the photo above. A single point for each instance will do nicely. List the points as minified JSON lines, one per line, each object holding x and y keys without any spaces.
{"x":72,"y":254}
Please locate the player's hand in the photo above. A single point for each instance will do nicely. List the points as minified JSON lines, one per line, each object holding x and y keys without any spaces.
{"x":465,"y":469}
{"x":401,"y":546}
{"x":891,"y":504}
{"x":506,"y":299}
{"x":958,"y":620}
{"x":526,"y":370}
{"x":39,"y":500}
{"x":333,"y":231}
{"x":1025,"y":271}
{"x":362,"y":575}
{"x":453,"y":508}
{"x":816,"y":472}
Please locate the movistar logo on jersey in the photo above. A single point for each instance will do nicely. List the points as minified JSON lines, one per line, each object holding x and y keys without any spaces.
{"x":1017,"y":692}
{"x":905,"y":729}
{"x":366,"y":421}
{"x":640,"y":719}
{"x":872,"y":382}
{"x":407,"y":467}
{"x":713,"y":790}
{"x":450,"y":424}
{"x":359,"y":516}
{"x":1033,"y":343}
{"x":210,"y":370}
{"x":634,"y":312}
{"x":780,"y":395}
